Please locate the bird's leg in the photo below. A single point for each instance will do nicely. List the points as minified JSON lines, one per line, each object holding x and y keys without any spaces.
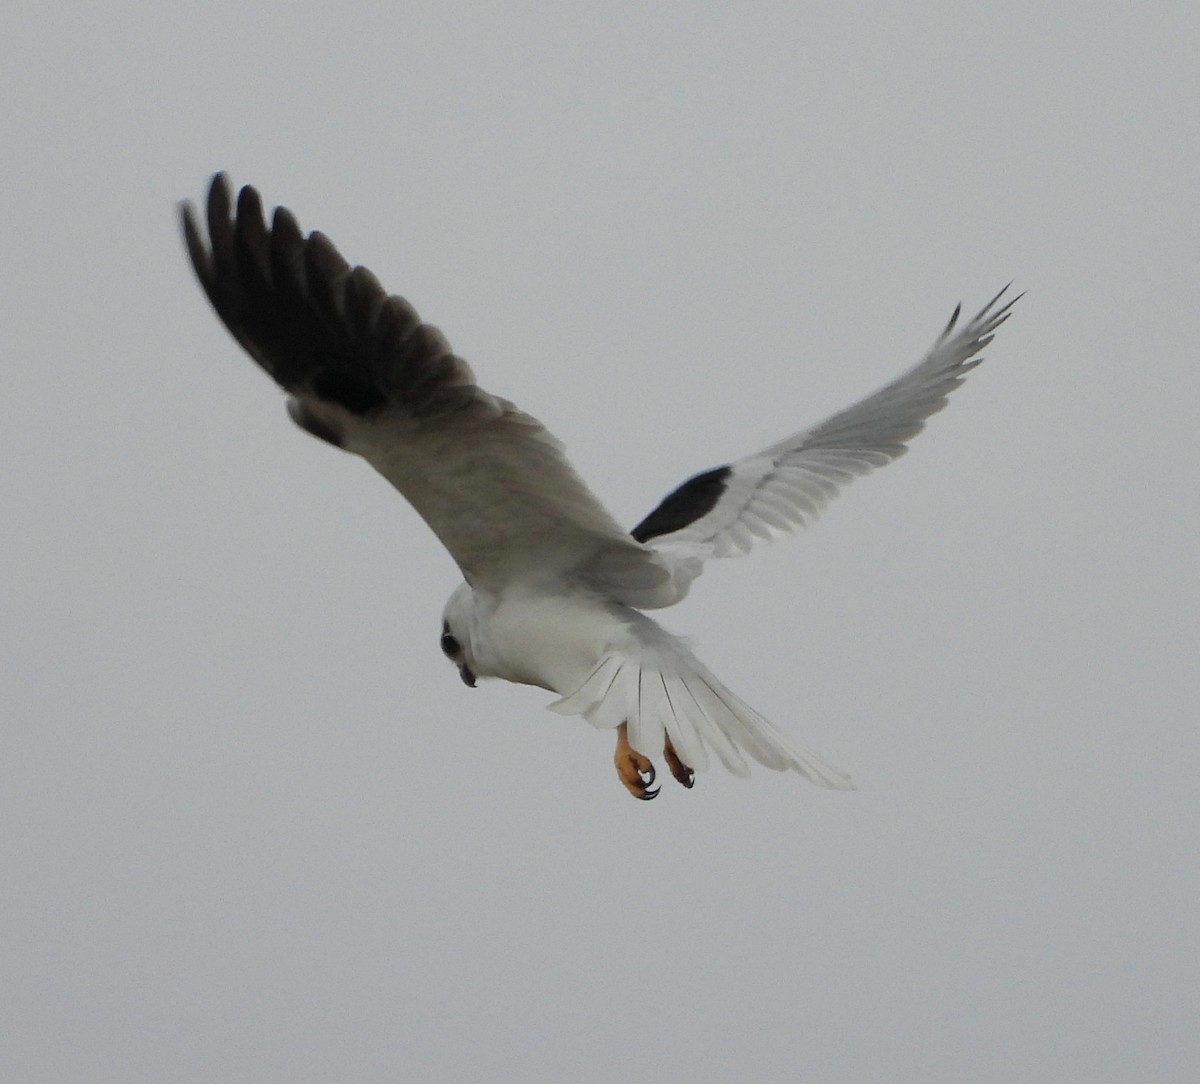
{"x":682,"y":773}
{"x":635,"y":770}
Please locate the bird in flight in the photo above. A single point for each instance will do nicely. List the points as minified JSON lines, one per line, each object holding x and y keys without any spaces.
{"x":554,"y":589}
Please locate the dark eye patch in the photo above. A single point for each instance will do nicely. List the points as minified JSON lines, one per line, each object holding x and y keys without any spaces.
{"x":450,"y":645}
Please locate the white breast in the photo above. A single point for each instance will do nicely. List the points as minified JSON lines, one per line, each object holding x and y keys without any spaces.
{"x":550,"y":640}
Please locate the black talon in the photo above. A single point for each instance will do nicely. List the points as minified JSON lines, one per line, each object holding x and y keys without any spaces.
{"x":683,"y":774}
{"x":646,"y":795}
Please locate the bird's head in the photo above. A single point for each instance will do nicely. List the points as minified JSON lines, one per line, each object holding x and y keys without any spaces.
{"x":458,"y":618}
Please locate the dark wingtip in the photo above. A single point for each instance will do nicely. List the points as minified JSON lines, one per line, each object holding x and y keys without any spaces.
{"x":953,"y":320}
{"x":318,"y":327}
{"x":220,"y":199}
{"x":250,"y":204}
{"x":284,"y":223}
{"x":197,"y":250}
{"x":995,"y":319}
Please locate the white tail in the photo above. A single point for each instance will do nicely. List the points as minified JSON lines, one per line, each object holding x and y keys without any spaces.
{"x":663,"y":691}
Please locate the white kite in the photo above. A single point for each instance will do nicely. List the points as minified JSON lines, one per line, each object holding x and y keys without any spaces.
{"x":554,"y":587}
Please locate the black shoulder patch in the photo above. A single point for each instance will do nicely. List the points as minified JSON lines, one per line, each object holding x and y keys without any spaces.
{"x":686,"y":504}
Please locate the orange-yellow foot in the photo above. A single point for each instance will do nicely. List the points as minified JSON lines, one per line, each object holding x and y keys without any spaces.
{"x":679,"y":770}
{"x":635,"y":770}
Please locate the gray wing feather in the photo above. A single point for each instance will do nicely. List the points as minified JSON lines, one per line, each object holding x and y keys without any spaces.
{"x":786,"y":486}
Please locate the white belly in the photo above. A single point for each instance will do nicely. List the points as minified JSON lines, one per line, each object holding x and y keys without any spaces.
{"x":552,"y":641}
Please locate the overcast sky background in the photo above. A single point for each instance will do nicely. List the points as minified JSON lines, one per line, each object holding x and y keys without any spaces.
{"x":255,"y":829}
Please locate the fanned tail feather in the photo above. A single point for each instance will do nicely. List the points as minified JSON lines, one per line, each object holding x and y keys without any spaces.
{"x":672,"y":695}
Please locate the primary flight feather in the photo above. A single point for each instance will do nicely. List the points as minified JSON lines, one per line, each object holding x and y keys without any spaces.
{"x":554,"y":587}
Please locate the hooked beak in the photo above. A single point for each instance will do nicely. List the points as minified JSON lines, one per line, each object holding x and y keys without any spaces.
{"x":466,"y":674}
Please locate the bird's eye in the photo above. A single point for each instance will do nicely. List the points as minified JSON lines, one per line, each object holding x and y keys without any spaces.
{"x":450,"y":645}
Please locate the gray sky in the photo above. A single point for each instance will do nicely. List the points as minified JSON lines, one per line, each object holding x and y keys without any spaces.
{"x":254,"y":828}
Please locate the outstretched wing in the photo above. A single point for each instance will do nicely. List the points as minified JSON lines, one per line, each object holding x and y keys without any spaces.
{"x":726,"y":511}
{"x":366,"y":375}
